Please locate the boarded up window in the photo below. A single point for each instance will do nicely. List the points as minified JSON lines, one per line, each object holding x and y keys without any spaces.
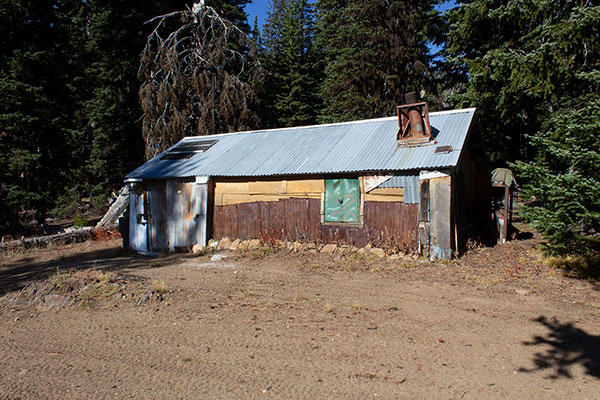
{"x":342,"y":200}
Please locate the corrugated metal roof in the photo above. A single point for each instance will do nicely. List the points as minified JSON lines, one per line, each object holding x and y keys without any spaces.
{"x":407,"y":181}
{"x":359,"y":146}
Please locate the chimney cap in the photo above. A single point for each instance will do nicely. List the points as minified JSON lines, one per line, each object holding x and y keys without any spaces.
{"x":411,"y":98}
{"x":413,"y":120}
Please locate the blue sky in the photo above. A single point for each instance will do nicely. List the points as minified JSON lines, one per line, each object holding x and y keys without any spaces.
{"x":259,"y":8}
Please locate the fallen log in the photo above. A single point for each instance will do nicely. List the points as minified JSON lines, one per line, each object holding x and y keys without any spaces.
{"x":116,"y":210}
{"x":72,"y":236}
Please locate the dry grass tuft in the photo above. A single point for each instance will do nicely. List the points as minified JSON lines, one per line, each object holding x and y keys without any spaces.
{"x":585,"y":266}
{"x":102,"y":288}
{"x":159,"y":287}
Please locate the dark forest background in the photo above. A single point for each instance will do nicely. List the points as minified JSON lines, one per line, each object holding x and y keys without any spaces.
{"x":74,"y":122}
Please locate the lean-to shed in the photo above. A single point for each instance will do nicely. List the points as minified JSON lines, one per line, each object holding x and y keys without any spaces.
{"x":380,"y":181}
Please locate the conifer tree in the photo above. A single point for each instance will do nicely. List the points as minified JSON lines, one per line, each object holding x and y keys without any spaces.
{"x":36,"y":102}
{"x":293,"y":64}
{"x":69,"y":109}
{"x":233,"y":10}
{"x":375,"y":52}
{"x":533,"y":70}
{"x":115,"y":36}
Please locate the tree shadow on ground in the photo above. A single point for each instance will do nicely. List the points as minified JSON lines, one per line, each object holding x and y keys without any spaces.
{"x":568,"y":346}
{"x":19,"y":274}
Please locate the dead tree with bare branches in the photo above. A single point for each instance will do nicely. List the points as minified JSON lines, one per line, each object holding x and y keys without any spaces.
{"x":198,"y":73}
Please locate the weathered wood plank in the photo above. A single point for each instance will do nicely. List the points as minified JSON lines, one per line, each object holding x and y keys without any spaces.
{"x":75,"y":236}
{"x":116,"y":209}
{"x":299,"y":219}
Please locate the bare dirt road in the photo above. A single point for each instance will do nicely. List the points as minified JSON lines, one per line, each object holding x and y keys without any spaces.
{"x":279,"y":325}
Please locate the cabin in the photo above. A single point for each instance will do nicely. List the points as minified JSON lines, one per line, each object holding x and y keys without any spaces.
{"x":417,"y":182}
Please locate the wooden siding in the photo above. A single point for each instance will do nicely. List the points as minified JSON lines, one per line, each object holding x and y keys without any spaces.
{"x":386,"y":224}
{"x":385,"y":194}
{"x":172,"y":214}
{"x":230,"y":193}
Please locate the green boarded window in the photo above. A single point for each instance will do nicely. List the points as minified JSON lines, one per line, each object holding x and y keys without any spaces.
{"x":342,"y":200}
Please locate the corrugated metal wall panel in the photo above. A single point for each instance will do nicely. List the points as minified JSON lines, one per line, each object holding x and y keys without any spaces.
{"x":409,"y":182}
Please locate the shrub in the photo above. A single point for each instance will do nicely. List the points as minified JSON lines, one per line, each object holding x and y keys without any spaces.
{"x":79,"y":221}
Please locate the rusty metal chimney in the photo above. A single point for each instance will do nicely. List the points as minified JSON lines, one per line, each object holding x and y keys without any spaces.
{"x":413,"y":121}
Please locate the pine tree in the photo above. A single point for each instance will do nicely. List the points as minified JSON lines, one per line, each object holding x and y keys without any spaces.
{"x":533,"y":70}
{"x":255,"y":33}
{"x":293,"y":65}
{"x":561,"y":68}
{"x":68,"y":100}
{"x":233,"y":10}
{"x":375,"y":52}
{"x":115,"y":36}
{"x":36,"y":102}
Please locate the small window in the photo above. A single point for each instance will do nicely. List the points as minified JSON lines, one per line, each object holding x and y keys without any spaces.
{"x":188,"y":149}
{"x":342,"y":201}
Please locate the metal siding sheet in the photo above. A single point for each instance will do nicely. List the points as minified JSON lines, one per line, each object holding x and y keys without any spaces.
{"x":409,"y":182}
{"x":359,"y":146}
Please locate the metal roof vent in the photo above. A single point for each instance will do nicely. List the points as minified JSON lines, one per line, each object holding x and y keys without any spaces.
{"x":413,"y":120}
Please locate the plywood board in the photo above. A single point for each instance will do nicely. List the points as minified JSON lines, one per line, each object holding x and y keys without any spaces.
{"x":267,"y":187}
{"x":231,"y":187}
{"x":384,"y":197}
{"x":230,"y":193}
{"x":180,"y":213}
{"x":240,"y":198}
{"x":305,"y":186}
{"x":303,"y":196}
{"x":441,"y":217}
{"x":388,"y":191}
{"x":370,"y":182}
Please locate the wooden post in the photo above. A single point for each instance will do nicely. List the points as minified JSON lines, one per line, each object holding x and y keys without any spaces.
{"x":506,"y":212}
{"x":116,"y":209}
{"x":201,"y":233}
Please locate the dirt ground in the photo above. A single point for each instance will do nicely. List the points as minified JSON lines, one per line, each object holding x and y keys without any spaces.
{"x":271,"y":324}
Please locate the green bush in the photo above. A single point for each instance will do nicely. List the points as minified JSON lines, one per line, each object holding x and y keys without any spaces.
{"x":67,"y":204}
{"x":564,"y":181}
{"x":79,"y":221}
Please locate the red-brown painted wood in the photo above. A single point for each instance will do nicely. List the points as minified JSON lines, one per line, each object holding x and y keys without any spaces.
{"x":385,"y":224}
